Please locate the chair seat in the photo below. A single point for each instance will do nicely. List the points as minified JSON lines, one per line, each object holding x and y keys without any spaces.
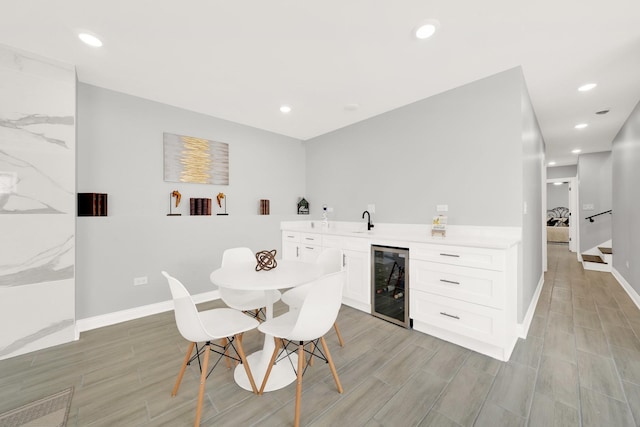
{"x":248,"y":300}
{"x":280,"y":326}
{"x":226,"y":322}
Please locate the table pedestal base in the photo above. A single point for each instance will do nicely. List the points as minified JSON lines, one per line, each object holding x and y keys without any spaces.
{"x":282,"y":374}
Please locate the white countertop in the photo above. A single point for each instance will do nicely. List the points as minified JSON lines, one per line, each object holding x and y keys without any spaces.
{"x":405,"y":234}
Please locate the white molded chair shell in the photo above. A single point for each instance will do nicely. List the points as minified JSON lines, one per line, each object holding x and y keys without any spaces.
{"x":243,"y":300}
{"x":330,"y":260}
{"x":317,"y":314}
{"x":207,"y":325}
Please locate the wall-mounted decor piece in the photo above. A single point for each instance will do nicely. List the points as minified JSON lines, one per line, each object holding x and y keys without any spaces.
{"x":92,"y":204}
{"x":199,"y":206}
{"x":303,"y":207}
{"x":264,"y":207}
{"x":222,"y":200}
{"x":178,"y":196}
{"x":195,"y":160}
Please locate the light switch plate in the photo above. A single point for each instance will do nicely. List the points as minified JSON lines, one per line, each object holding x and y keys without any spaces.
{"x":442,"y":208}
{"x":587,"y":207}
{"x":371,"y":208}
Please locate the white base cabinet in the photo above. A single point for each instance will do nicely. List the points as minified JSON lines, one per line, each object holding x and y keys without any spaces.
{"x":355,"y":261}
{"x":466,"y":296}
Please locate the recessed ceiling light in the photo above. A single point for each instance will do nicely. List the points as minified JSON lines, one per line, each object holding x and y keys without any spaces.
{"x":352,"y":107}
{"x":426,"y":29}
{"x":285,"y":109}
{"x":587,"y":87}
{"x":581,"y":126}
{"x":551,"y":163}
{"x":90,"y":39}
{"x":576,"y":151}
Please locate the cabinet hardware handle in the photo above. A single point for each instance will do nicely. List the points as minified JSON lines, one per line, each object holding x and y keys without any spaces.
{"x":309,"y":247}
{"x":449,"y":315}
{"x":451,"y":255}
{"x":291,"y":237}
{"x":449,"y":281}
{"x":309,"y":238}
{"x":344,"y":260}
{"x":297,"y":252}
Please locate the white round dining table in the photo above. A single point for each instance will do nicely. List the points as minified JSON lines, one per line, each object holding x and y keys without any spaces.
{"x":287,"y":274}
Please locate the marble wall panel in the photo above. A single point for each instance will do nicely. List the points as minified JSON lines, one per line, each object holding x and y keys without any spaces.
{"x":37,"y":202}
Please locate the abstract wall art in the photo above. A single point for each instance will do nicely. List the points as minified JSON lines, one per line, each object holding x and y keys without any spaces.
{"x":195,"y":160}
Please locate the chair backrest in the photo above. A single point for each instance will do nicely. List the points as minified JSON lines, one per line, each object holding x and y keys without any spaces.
{"x":320,"y":308}
{"x":234,"y":298}
{"x":330,"y":259}
{"x":186,"y":313}
{"x":237,"y":256}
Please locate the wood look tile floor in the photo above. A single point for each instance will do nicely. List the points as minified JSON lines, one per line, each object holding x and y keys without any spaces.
{"x":579,"y":366}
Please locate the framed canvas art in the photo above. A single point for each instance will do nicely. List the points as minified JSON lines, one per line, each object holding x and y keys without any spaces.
{"x":195,"y":160}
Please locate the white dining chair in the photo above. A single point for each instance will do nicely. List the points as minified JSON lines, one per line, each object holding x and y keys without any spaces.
{"x":250,"y":302}
{"x":331,"y":261}
{"x":223,"y":324}
{"x":305,"y":327}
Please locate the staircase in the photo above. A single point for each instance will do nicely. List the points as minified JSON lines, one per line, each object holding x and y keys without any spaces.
{"x":599,"y":258}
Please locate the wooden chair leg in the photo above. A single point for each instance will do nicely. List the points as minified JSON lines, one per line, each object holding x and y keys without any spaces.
{"x":296,"y":421}
{"x":224,"y":342}
{"x":271,"y":362}
{"x":247,"y":369}
{"x":312,"y":350}
{"x":203,"y":379}
{"x":335,"y":326}
{"x":331,"y":365}
{"x":182,"y":369}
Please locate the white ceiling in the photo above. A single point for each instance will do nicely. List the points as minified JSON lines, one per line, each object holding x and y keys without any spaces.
{"x":240,"y":60}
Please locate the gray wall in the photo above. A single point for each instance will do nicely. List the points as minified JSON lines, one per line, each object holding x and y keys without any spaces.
{"x":461,"y":148}
{"x":562,"y":171}
{"x":120,"y":153}
{"x":534,"y":215}
{"x":557,"y":195}
{"x":594,"y":186}
{"x":626,"y":203}
{"x":476,"y":148}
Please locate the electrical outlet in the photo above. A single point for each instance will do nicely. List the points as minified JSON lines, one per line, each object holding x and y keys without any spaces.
{"x":442,"y":208}
{"x":140,"y":281}
{"x":587,"y":207}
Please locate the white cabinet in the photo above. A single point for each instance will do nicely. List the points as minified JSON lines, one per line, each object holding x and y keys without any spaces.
{"x":310,"y":246}
{"x":465,"y":295}
{"x":357,"y":288}
{"x":306,"y":247}
{"x":290,"y":245}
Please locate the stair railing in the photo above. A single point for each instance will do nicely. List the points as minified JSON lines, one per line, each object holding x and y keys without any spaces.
{"x":590,"y":218}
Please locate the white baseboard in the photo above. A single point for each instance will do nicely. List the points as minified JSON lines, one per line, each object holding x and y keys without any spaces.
{"x":136,"y":313}
{"x":522,"y":329}
{"x":627,"y":287}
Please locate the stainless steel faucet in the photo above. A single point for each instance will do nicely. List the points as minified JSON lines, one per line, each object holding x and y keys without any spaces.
{"x":369,"y":223}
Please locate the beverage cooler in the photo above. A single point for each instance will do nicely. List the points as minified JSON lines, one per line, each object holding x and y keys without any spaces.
{"x":390,"y":284}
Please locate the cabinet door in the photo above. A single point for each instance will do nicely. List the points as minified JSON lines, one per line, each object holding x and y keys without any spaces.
{"x":290,"y":250}
{"x":357,"y":292}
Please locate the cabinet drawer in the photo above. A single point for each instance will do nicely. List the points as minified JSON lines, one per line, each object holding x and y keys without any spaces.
{"x":491,"y":259}
{"x":473,"y":285}
{"x":290,"y":236}
{"x":356,"y":244}
{"x":471,"y":320}
{"x":311,"y":239}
